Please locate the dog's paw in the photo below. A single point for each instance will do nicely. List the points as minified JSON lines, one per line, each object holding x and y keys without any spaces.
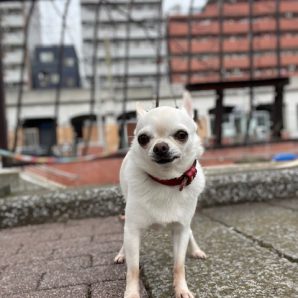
{"x":198,"y":254}
{"x":183,"y":293}
{"x":132,"y":295}
{"x":119,"y":259}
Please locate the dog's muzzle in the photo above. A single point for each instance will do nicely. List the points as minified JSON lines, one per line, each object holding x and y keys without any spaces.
{"x":162,"y":153}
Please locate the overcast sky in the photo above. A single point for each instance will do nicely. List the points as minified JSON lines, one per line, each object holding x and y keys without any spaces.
{"x":168,"y":4}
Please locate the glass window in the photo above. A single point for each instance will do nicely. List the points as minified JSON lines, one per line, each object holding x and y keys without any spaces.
{"x":70,"y":82}
{"x":46,"y":57}
{"x":43,"y":79}
{"x":69,"y":62}
{"x":55,"y":78}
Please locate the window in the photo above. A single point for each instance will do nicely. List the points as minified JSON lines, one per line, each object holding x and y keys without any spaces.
{"x":43,"y":78}
{"x":31,"y":137}
{"x":69,"y":62}
{"x":55,"y":78}
{"x":292,"y":68}
{"x":46,"y":57}
{"x":70,"y":82}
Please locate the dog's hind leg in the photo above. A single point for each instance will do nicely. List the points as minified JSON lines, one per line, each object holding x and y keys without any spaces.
{"x":195,"y":250}
{"x":120,"y":258}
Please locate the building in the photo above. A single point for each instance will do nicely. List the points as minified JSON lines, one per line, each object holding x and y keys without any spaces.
{"x":46,"y":68}
{"x":12,"y":22}
{"x":143,"y":38}
{"x":202,"y":36}
{"x":46,"y":27}
{"x":44,"y":30}
{"x":217,"y":45}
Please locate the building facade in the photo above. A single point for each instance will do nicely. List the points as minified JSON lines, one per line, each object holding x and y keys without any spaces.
{"x":12,"y":22}
{"x":202,"y":40}
{"x":116,"y":43}
{"x":234,"y":40}
{"x":53,"y":67}
{"x":46,"y":28}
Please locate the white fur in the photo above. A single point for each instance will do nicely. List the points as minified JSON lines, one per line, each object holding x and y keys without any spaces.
{"x":148,"y":202}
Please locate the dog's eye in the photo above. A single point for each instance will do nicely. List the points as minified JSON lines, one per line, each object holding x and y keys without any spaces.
{"x":143,"y":139}
{"x":181,"y":135}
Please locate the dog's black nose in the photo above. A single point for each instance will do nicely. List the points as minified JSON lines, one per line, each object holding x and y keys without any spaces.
{"x":161,"y":149}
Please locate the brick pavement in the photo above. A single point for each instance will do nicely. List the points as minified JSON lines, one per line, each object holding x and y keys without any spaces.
{"x":73,"y":259}
{"x":251,"y":248}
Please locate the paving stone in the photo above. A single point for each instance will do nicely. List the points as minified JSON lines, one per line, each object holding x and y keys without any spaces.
{"x":103,"y":238}
{"x":26,"y":258}
{"x":69,"y":292}
{"x":45,"y":261}
{"x":16,"y":281}
{"x":9,"y":250}
{"x":113,"y":289}
{"x":77,"y":232}
{"x":8,"y":238}
{"x":27,"y":238}
{"x":236,"y":266}
{"x":20,"y":230}
{"x":101,"y":259}
{"x":97,"y":226}
{"x":44,"y":266}
{"x":93,"y":222}
{"x":62,"y":278}
{"x":45,"y":235}
{"x":272,"y":225}
{"x":63,"y":243}
{"x":109,"y":289}
{"x":287,"y":203}
{"x":92,"y":249}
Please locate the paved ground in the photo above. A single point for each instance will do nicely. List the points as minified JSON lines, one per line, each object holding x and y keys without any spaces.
{"x":252,"y":252}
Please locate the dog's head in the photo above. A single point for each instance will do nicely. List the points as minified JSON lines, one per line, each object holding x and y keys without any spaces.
{"x":166,"y":139}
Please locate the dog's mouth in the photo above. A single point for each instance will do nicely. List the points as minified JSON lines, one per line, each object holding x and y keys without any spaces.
{"x":165,"y":160}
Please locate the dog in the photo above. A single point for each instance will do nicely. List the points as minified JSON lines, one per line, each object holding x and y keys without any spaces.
{"x":161,"y":179}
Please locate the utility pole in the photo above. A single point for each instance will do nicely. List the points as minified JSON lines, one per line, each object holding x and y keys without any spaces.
{"x":3,"y":123}
{"x":219,"y":108}
{"x":278,"y":33}
{"x":251,"y":69}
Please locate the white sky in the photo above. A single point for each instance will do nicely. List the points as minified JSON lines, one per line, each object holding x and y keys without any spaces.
{"x":183,"y":3}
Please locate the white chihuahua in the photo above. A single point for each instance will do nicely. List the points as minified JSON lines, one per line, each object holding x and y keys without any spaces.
{"x":161,"y":180}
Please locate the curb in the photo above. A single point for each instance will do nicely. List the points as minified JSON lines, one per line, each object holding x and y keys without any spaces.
{"x":250,"y":186}
{"x":60,"y":206}
{"x":68,"y":204}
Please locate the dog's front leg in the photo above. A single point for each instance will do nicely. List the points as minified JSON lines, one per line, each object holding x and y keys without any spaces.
{"x":181,"y":239}
{"x":132,"y":252}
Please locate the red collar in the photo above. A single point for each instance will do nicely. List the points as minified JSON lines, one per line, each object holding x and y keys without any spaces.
{"x":182,"y":181}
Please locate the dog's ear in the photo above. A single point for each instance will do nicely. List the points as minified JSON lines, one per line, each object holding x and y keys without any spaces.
{"x":187,"y":103}
{"x":140,"y":110}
